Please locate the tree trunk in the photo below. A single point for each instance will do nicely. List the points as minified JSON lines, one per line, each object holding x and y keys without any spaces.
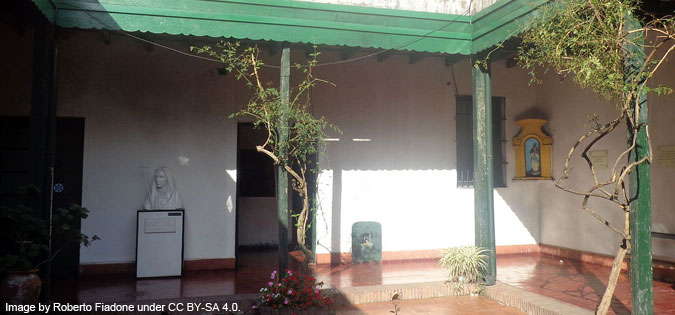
{"x":613,"y":278}
{"x":302,"y":226}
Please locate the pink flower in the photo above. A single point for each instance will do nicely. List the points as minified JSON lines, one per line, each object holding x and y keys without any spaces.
{"x":316,"y":291}
{"x":290,"y":291}
{"x":253,"y":307}
{"x":270,"y":283}
{"x":286,"y":301}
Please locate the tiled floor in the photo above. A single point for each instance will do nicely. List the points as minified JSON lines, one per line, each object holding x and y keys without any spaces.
{"x":439,"y":306}
{"x":576,"y":283}
{"x":568,"y":281}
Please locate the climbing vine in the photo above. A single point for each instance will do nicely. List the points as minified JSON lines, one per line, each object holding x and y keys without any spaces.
{"x":613,"y":48}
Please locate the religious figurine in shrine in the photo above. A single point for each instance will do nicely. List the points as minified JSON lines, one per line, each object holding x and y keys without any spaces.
{"x":532,"y":148}
{"x":533,"y":164}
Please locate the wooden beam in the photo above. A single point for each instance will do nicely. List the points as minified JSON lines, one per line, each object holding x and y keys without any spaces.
{"x":282,"y":175}
{"x":641,"y":273}
{"x":314,"y":203}
{"x":483,"y":168}
{"x":43,"y":129}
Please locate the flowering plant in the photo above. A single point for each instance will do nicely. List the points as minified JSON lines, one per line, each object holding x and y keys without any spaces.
{"x":292,"y":290}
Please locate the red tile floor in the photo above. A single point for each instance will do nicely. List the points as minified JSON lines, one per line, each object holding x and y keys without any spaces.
{"x":576,"y":283}
{"x":568,"y":281}
{"x":473,"y":305}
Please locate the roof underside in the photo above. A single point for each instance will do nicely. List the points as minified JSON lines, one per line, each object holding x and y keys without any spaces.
{"x":297,"y":22}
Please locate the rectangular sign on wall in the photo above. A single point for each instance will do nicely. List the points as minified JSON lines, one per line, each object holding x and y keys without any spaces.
{"x":665,"y":155}
{"x":599,"y":159}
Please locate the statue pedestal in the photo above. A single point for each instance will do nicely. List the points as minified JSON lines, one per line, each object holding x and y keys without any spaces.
{"x":159,"y":243}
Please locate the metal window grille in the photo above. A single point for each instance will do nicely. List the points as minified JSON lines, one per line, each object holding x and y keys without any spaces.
{"x":464,"y":140}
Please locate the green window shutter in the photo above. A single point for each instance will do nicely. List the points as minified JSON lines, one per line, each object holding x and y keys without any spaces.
{"x":464,"y":140}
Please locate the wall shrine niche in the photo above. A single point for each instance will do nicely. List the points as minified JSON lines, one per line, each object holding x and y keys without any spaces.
{"x":533,"y":150}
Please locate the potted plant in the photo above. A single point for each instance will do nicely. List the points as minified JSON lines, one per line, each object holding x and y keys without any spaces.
{"x":26,"y":236}
{"x":292,"y":293}
{"x":467,"y":266}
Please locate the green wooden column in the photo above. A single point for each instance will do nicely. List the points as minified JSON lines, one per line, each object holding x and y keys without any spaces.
{"x":282,"y":174}
{"x":43,"y":131}
{"x":313,"y":203}
{"x":482,"y":167}
{"x":641,"y":274}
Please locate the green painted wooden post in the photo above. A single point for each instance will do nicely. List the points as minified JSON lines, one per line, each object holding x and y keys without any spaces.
{"x":482,"y":167}
{"x":313,"y":202}
{"x":641,"y":274}
{"x":43,"y":131}
{"x":282,"y":174}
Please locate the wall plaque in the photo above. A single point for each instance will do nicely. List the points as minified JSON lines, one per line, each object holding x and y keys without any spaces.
{"x":599,"y":159}
{"x":665,"y":155}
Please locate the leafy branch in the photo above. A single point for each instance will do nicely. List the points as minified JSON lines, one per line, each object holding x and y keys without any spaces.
{"x":602,"y":44}
{"x":306,"y":133}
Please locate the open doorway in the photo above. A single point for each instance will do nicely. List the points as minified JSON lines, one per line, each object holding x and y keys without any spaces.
{"x":257,"y":225}
{"x":15,"y":172}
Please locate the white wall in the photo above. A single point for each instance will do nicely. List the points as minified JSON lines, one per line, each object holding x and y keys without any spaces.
{"x":156,"y":107}
{"x":405,"y":176}
{"x":563,"y":221}
{"x":150,"y":108}
{"x":160,"y":108}
{"x":661,"y":118}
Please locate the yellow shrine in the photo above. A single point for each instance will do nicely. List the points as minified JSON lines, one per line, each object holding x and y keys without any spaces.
{"x":533,"y":150}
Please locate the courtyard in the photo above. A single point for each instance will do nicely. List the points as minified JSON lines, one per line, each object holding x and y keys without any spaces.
{"x":136,"y":114}
{"x":545,"y":277}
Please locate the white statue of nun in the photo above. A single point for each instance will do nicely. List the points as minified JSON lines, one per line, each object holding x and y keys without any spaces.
{"x":163,"y":194}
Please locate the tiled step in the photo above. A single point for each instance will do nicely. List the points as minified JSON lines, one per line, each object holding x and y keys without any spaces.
{"x":519,"y":299}
{"x":529,"y":302}
{"x":522,"y":300}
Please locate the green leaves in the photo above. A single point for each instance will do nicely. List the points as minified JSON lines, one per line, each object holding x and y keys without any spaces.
{"x":580,"y":37}
{"x":591,"y":40}
{"x":466,"y":264}
{"x":29,"y":234}
{"x":305,"y":132}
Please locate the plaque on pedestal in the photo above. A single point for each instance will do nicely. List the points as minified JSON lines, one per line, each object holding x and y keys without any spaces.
{"x":159,"y":243}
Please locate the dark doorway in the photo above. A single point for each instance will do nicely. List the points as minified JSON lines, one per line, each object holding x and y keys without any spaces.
{"x":257,"y":224}
{"x":15,"y":163}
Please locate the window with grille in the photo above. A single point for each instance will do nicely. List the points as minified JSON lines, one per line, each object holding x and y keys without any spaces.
{"x":464,"y":125}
